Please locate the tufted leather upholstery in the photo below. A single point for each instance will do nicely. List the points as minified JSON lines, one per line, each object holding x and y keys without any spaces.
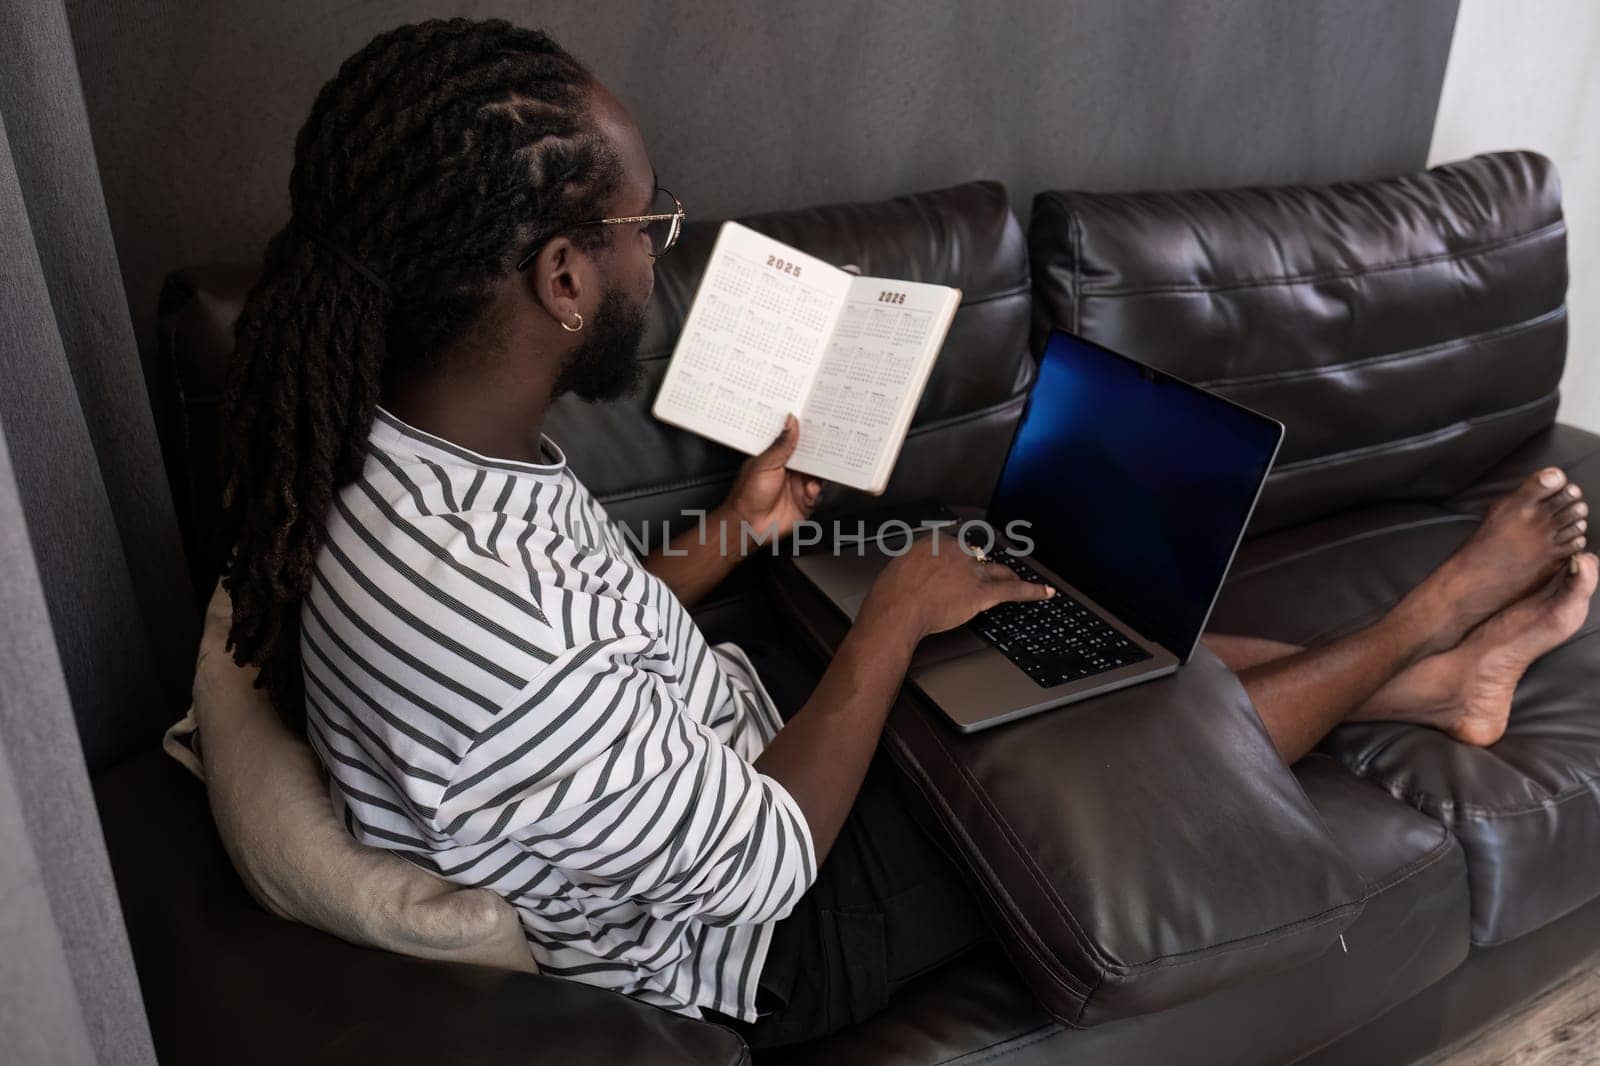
{"x":1235,"y":874}
{"x":1409,"y":332}
{"x":1412,"y":931}
{"x":1130,"y":820}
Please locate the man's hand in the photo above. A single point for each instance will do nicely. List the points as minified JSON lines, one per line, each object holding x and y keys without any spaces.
{"x":768,"y":497}
{"x":938,"y":585}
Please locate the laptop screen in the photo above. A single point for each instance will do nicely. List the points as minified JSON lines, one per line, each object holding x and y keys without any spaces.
{"x":1136,"y":487}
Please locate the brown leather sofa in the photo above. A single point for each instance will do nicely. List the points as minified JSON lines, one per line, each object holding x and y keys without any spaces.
{"x":1162,"y":889}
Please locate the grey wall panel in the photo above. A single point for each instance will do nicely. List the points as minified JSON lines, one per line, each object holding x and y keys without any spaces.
{"x":105,"y":638}
{"x":79,"y":367}
{"x":68,"y":990}
{"x":750,"y":106}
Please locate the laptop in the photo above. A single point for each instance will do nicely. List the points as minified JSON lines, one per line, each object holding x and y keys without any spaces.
{"x":1126,"y":489}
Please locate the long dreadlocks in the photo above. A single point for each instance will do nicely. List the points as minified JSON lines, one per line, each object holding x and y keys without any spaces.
{"x":436,"y":156}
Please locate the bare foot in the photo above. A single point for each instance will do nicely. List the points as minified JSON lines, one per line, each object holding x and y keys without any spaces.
{"x":1493,"y":658}
{"x":1525,"y":536}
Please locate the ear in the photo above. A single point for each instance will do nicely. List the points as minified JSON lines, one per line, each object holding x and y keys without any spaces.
{"x":564,"y":279}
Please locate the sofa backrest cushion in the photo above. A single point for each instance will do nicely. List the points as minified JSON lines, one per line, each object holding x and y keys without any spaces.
{"x":1409,"y":332}
{"x":646,"y":472}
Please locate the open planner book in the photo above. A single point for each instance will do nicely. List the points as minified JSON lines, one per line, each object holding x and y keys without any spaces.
{"x":774,"y":331}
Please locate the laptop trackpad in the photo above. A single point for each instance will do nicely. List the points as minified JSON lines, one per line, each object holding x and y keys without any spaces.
{"x":947,"y":645}
{"x":934,"y":649}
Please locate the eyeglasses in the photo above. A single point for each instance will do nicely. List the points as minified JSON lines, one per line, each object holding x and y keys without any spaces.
{"x":661,"y":227}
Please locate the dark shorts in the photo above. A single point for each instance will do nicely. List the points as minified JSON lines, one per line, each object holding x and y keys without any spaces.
{"x":888,"y":905}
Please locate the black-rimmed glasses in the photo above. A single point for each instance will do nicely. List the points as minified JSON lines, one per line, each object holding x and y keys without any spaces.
{"x":660,"y":226}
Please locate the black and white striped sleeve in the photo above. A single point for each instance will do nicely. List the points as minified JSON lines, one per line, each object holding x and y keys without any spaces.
{"x":598,"y":770}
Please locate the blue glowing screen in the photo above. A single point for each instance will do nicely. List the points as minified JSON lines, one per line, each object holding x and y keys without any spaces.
{"x":1136,"y":486}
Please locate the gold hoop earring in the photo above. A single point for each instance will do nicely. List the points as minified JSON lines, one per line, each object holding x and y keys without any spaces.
{"x":574,"y":329}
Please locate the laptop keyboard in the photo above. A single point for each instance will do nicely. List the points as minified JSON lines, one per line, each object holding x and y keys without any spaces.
{"x":1054,"y":641}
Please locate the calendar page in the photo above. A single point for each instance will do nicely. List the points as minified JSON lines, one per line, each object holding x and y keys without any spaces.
{"x":872,"y":374}
{"x":774,"y":331}
{"x":753,"y":340}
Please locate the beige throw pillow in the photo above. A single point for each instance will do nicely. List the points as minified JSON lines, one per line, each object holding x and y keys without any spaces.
{"x":269,"y":797}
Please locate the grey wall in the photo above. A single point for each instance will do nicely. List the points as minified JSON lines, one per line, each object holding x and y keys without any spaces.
{"x":1524,"y":75}
{"x":746,"y":106}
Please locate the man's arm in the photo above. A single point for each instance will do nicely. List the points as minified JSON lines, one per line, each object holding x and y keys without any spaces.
{"x":695,"y":561}
{"x":767,"y":499}
{"x":598,"y":771}
{"x":821,"y":755}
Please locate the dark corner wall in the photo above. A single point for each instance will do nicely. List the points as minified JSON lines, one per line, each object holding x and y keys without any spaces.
{"x":747,"y":106}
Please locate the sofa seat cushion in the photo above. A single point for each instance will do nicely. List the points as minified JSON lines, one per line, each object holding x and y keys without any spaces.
{"x":1411,"y":933}
{"x":1526,"y":810}
{"x":1131,"y":852}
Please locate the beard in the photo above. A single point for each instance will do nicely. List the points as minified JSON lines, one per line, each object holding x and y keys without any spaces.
{"x":605,"y":366}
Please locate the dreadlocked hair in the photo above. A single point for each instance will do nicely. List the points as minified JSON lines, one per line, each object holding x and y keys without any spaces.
{"x":431,"y":162}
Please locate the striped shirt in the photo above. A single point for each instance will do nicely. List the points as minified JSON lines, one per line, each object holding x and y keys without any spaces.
{"x":503,"y":695}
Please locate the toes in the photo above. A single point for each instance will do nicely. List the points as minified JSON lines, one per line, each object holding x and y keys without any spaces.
{"x":1570,"y":520}
{"x":1571,"y":496}
{"x":1570,"y":548}
{"x":1543,"y":483}
{"x":1575,"y":581}
{"x":1588,"y":571}
{"x":1567,"y":511}
{"x":1579,"y":577}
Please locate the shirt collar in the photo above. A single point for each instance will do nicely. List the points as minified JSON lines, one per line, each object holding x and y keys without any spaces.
{"x":388,"y":429}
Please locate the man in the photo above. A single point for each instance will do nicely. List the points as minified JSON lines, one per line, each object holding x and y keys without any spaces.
{"x":504,"y":693}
